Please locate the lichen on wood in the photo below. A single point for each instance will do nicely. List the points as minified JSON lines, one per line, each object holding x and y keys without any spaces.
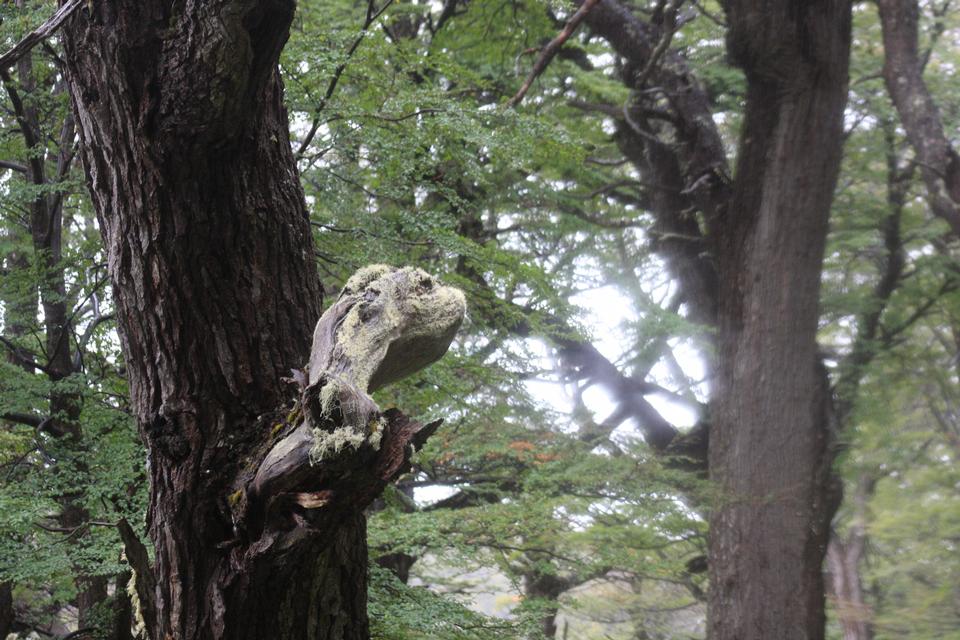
{"x":387,"y":324}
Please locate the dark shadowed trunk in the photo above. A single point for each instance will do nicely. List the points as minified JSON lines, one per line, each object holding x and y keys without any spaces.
{"x":122,"y":612}
{"x":770,"y":449}
{"x":6,"y":608}
{"x":549,"y":588}
{"x":186,"y":147}
{"x":769,"y":433}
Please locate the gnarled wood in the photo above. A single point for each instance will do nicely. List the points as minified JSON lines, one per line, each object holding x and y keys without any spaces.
{"x":185,"y":143}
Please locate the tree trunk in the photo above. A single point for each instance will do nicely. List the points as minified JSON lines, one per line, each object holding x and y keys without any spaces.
{"x":46,"y":232}
{"x":549,"y":588}
{"x":122,"y":612}
{"x":6,"y":608}
{"x":844,"y":557}
{"x":770,"y":453}
{"x":186,"y":148}
{"x":903,"y":74}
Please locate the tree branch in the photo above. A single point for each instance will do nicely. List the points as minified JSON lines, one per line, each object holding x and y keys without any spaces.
{"x":339,"y":451}
{"x":902,"y":72}
{"x":549,"y":51}
{"x":371,"y":17}
{"x":45,"y":30}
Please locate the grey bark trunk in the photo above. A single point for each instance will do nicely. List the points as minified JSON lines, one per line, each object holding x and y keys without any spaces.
{"x":770,"y":452}
{"x":903,"y":74}
{"x":844,"y":558}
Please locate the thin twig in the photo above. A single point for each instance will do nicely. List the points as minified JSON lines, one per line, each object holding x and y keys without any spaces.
{"x":370,"y":18}
{"x":551,"y":50}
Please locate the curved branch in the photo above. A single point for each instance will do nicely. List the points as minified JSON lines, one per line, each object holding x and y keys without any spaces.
{"x":341,"y":451}
{"x":903,"y":74}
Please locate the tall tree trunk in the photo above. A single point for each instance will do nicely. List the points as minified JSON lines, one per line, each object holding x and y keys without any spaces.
{"x":770,"y":454}
{"x":903,"y":74}
{"x":186,"y":147}
{"x":6,"y":608}
{"x":186,"y":150}
{"x":845,"y":557}
{"x":46,"y":232}
{"x":122,"y":613}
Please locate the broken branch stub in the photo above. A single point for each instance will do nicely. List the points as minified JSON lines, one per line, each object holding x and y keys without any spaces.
{"x":388,"y":323}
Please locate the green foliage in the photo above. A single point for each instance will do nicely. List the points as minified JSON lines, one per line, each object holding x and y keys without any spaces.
{"x":408,"y":156}
{"x":399,"y":612}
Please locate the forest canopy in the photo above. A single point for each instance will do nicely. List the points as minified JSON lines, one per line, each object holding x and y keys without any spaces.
{"x":587,"y":175}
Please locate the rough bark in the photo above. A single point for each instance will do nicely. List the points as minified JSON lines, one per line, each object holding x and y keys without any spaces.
{"x":770,"y":449}
{"x":689,"y":174}
{"x":185,"y":145}
{"x":903,"y":74}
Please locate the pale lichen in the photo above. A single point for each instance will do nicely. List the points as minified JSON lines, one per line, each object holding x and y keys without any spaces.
{"x":376,"y":428}
{"x":139,"y":624}
{"x":387,"y":324}
{"x":402,"y":322}
{"x":327,"y":444}
{"x":335,"y":395}
{"x":364,"y":276}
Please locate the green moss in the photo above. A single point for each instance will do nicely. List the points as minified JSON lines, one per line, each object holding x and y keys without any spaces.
{"x":295,"y":414}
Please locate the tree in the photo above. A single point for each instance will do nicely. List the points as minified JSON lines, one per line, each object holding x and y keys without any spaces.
{"x":211,"y":260}
{"x":55,"y":421}
{"x":193,"y":163}
{"x":613,"y":172}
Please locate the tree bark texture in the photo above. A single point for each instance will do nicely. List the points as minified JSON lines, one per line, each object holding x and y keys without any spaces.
{"x":186,"y":149}
{"x":903,"y":75}
{"x":770,"y":442}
